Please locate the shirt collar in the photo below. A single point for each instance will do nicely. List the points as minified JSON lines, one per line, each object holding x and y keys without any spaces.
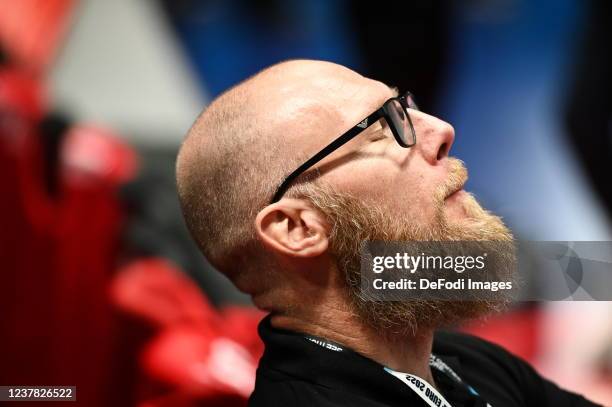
{"x":345,"y":370}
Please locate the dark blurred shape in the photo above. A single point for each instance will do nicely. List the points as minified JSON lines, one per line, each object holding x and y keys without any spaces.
{"x":52,"y":131}
{"x":405,"y":44}
{"x":3,"y":57}
{"x":155,"y":226}
{"x":589,"y":105}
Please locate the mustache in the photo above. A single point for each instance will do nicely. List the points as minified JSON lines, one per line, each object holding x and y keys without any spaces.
{"x":457,"y":177}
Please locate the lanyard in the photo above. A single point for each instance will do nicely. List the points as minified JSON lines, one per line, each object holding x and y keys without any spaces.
{"x":425,"y":390}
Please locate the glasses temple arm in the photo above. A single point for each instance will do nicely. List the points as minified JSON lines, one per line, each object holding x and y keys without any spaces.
{"x":337,"y":143}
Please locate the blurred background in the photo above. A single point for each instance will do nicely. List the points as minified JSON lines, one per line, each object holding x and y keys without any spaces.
{"x":100,"y":284}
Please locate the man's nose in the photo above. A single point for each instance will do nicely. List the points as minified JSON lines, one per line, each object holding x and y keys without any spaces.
{"x":434,"y":136}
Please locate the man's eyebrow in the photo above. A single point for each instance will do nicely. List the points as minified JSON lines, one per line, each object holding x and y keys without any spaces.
{"x":394,"y":90}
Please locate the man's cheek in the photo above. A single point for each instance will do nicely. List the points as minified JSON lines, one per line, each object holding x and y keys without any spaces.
{"x":366,"y":182}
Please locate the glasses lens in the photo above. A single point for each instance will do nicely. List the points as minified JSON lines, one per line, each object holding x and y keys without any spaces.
{"x":401,"y":122}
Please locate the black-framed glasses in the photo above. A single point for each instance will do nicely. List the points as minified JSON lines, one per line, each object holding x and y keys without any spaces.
{"x":394,"y":111}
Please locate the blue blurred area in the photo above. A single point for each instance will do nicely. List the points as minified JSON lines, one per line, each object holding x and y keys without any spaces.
{"x":506,"y":86}
{"x":504,"y":89}
{"x":230,"y":40}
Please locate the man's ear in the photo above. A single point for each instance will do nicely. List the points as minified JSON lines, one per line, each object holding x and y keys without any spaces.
{"x":293,"y":227}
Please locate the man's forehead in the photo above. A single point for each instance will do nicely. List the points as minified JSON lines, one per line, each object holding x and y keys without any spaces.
{"x":309,"y":102}
{"x":325,"y":98}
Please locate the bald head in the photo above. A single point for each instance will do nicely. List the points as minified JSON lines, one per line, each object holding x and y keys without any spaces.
{"x":299,"y":257}
{"x":243,"y":145}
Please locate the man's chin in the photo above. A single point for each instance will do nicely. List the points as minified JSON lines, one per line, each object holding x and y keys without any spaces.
{"x":459,"y":208}
{"x":356,"y":223}
{"x":408,"y":318}
{"x":454,"y":210}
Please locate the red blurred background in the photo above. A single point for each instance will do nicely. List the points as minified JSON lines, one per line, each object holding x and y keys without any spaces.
{"x":91,"y":297}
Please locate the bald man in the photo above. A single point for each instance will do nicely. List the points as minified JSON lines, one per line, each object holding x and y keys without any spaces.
{"x":281,"y":179}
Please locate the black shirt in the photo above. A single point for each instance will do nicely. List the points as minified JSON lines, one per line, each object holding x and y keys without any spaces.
{"x":298,"y":370}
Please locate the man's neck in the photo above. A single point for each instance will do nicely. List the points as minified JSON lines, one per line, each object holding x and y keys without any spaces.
{"x":407,"y":354}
